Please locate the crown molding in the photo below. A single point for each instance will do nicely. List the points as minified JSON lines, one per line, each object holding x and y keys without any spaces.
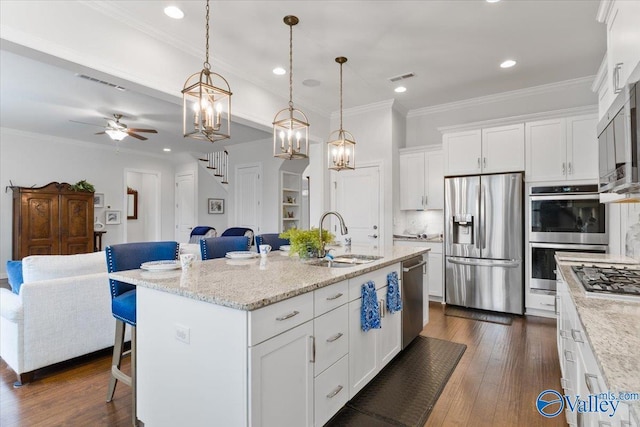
{"x":83,"y":144}
{"x":362,"y":109}
{"x":545,"y":115}
{"x":421,"y":149}
{"x":604,"y":10}
{"x":601,"y":76}
{"x":500,"y":97}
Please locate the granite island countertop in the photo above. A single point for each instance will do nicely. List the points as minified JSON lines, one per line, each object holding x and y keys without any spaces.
{"x":612,"y":328}
{"x":258,"y":282}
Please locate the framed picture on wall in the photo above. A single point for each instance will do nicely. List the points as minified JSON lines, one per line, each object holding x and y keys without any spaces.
{"x":216,"y":206}
{"x":112,"y":217}
{"x":98,"y":200}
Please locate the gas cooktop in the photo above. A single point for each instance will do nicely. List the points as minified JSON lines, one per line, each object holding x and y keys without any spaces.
{"x":609,"y":280}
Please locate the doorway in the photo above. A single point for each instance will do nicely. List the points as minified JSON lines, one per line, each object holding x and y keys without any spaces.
{"x":144,"y":226}
{"x":185,"y":205}
{"x":248,"y":196}
{"x":356,"y":195}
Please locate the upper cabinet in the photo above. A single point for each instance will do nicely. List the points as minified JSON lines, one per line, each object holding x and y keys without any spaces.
{"x":562,"y":149}
{"x":488,"y":150}
{"x":623,"y":47}
{"x":421,"y":179}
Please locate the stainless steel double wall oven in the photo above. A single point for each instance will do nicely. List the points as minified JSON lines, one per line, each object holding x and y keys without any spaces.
{"x":567,"y":218}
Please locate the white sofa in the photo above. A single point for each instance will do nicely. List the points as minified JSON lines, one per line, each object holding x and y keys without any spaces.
{"x":63,"y":311}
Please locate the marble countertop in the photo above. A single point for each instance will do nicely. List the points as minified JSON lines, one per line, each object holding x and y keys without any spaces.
{"x":416,"y":239}
{"x":612,"y":328}
{"x":255,"y":283}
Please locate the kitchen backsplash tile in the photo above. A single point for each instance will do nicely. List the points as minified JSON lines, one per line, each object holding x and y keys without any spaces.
{"x":419,"y":222}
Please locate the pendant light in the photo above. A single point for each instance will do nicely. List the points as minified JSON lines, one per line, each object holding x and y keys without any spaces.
{"x":290,"y":126}
{"x":341,"y":148}
{"x":206,"y":102}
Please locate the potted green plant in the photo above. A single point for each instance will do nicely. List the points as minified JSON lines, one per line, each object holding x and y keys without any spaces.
{"x":306,"y":243}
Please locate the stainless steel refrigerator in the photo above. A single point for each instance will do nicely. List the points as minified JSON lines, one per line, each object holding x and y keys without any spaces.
{"x":484,"y":234}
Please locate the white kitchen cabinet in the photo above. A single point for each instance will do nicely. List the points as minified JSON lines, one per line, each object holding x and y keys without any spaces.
{"x":421,"y":179}
{"x":623,"y":41}
{"x":488,"y":150}
{"x":562,"y":149}
{"x":503,"y":149}
{"x":370,"y":351}
{"x":331,"y":391}
{"x":281,"y":379}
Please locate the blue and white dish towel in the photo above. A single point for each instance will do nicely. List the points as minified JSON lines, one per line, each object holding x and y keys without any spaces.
{"x":394,"y":301}
{"x":370,"y":310}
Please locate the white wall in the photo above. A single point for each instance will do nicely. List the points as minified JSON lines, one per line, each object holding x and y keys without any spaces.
{"x":143,"y":228}
{"x":209,"y":187}
{"x":28,"y":159}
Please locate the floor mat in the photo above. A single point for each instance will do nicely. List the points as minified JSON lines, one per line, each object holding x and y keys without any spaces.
{"x":405,"y":391}
{"x":484,"y":316}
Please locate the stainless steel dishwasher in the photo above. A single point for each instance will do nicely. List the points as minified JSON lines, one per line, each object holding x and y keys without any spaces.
{"x":412,"y":287}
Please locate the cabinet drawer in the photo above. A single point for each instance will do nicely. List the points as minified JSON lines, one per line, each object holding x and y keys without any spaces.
{"x":379,"y":277}
{"x":541,"y":301}
{"x":274,"y":319}
{"x":330,"y":297}
{"x":331,"y":332}
{"x":331,"y":391}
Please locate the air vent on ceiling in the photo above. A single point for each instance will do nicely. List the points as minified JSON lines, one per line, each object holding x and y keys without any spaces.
{"x":401,"y":77}
{"x":93,"y":79}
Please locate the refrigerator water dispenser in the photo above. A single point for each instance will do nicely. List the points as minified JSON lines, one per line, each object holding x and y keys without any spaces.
{"x":463,"y":229}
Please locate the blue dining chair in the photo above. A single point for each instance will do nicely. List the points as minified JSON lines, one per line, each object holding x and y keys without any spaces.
{"x":201,"y":232}
{"x":271,"y":239}
{"x":217,"y":247}
{"x":239,"y":231}
{"x":129,"y":256}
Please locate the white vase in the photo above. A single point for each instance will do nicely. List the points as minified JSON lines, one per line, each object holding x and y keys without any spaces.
{"x":97,"y":225}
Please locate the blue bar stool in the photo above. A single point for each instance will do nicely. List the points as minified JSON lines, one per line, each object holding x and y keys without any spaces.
{"x":217,"y":247}
{"x":272,"y":240}
{"x":129,"y":256}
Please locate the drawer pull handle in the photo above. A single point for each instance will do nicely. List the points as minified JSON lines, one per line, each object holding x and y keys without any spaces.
{"x":334,"y":392}
{"x":336,"y":296}
{"x":567,"y":353}
{"x":547,"y":304}
{"x":288,"y":316}
{"x":335,"y":337}
{"x":587,"y":379}
{"x":577,"y":332}
{"x":313,"y":349}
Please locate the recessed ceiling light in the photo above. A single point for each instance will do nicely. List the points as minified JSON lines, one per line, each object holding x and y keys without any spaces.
{"x":508,"y":63}
{"x":173,"y":12}
{"x":400,"y":89}
{"x":311,"y":83}
{"x":493,"y":1}
{"x":279,"y":71}
{"x":166,"y":149}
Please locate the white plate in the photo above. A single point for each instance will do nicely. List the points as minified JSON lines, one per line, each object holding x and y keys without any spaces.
{"x":160,"y":265}
{"x":241,"y":255}
{"x":285,"y":248}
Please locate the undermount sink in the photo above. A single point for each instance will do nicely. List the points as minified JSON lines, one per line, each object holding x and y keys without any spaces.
{"x":346,"y":260}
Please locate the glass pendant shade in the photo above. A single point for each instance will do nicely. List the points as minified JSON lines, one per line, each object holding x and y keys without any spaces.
{"x":341,"y":150}
{"x":291,"y":126}
{"x":206,"y":106}
{"x":116,"y":134}
{"x":206,"y":102}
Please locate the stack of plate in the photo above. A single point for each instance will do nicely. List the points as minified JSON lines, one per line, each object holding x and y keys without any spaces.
{"x":160,"y":265}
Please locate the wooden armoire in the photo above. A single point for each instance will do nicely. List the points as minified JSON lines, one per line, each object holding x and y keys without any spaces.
{"x":52,"y":220}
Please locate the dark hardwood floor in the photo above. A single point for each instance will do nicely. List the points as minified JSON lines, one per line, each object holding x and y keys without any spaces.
{"x":495,"y":384}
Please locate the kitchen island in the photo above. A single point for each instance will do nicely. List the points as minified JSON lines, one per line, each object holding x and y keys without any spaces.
{"x":259,"y":342}
{"x":598,"y":341}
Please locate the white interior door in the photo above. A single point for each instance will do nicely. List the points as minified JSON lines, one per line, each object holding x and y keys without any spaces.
{"x":185,"y":205}
{"x":357,"y":199}
{"x":248,"y":194}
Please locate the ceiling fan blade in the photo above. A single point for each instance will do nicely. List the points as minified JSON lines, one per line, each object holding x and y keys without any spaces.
{"x":142,"y":130}
{"x":85,"y":123}
{"x":140,"y":137}
{"x":100,"y":133}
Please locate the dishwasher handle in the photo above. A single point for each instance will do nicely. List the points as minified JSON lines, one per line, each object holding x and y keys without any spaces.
{"x":408,"y":269}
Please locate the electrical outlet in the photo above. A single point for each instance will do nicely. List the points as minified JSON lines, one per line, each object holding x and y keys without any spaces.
{"x":183,"y":334}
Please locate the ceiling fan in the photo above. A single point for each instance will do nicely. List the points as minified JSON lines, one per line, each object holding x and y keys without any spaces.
{"x":118,"y":131}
